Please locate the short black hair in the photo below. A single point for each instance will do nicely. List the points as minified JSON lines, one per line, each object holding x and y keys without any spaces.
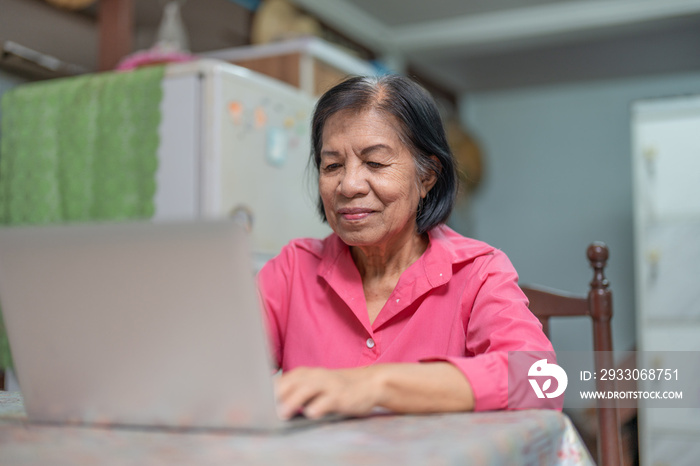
{"x":421,"y":130}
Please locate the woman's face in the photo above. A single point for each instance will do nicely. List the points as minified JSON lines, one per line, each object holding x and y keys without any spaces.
{"x":368,"y":181}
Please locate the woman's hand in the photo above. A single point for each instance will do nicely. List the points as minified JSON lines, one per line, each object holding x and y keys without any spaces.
{"x":317,"y":392}
{"x":403,"y":387}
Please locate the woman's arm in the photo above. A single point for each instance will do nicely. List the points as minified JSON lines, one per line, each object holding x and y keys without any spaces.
{"x":400,"y":387}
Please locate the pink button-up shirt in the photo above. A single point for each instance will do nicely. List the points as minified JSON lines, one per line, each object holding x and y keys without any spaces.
{"x":459,"y":302}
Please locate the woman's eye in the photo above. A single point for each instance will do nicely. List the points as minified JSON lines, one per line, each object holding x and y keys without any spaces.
{"x":374,"y":164}
{"x":331,"y":167}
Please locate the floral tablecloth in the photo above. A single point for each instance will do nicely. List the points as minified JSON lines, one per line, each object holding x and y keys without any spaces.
{"x":532,"y":437}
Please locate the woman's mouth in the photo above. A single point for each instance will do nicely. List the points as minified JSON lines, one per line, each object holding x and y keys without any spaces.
{"x":354,"y":213}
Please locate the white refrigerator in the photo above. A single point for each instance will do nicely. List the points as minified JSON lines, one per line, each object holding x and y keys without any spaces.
{"x":233,"y":140}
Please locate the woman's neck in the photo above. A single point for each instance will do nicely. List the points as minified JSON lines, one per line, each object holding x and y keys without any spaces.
{"x":388,"y":260}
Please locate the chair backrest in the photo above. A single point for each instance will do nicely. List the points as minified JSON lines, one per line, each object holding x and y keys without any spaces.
{"x":546,"y":303}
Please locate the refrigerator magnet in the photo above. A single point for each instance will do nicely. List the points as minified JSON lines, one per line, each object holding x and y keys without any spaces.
{"x":277,"y":144}
{"x":235,"y":110}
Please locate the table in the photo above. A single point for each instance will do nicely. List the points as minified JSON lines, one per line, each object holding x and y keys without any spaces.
{"x":530,"y":437}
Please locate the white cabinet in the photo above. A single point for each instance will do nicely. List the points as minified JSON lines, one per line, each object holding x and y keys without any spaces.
{"x":666,"y":170}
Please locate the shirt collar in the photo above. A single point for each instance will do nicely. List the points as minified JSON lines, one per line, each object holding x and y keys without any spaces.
{"x":434,"y":268}
{"x":445,"y":249}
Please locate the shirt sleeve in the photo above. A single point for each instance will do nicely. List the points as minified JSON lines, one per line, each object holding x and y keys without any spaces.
{"x":498,"y":322}
{"x":274,"y":282}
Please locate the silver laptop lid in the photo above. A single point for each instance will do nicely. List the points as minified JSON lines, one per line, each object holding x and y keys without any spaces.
{"x":137,"y":324}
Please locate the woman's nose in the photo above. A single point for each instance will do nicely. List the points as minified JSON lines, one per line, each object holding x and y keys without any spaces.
{"x":353,"y":182}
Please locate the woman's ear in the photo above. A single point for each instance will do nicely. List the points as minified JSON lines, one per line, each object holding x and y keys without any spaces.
{"x":429,"y":181}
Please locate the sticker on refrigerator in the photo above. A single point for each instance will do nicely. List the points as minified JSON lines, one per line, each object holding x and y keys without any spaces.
{"x":260,"y":117}
{"x":235,"y":111}
{"x":277,"y":144}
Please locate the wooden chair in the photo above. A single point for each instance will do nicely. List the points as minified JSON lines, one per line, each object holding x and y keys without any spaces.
{"x":546,"y":303}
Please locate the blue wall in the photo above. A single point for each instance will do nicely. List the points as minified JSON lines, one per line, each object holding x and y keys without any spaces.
{"x":558,"y":176}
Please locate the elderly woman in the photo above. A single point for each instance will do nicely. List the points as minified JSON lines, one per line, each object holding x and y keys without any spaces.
{"x":393,"y":310}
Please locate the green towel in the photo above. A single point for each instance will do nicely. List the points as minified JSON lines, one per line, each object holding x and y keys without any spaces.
{"x":79,"y":149}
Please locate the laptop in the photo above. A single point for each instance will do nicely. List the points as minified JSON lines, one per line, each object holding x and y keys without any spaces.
{"x":137,"y":324}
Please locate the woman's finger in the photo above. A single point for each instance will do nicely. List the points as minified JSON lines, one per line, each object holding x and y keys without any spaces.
{"x":295,"y":390}
{"x":320,"y":405}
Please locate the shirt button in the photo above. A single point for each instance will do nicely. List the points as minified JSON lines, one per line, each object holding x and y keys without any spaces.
{"x":370,"y":343}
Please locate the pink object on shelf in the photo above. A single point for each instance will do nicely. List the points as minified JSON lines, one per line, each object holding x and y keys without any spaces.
{"x":153,"y":56}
